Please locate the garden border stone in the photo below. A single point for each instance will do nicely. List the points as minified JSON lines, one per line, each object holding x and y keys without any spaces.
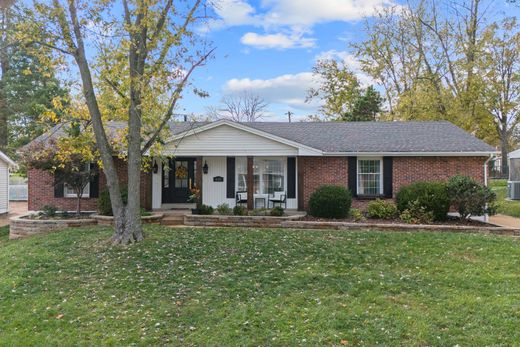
{"x":21,"y":226}
{"x":238,"y":221}
{"x":401,"y":227}
{"x":155,"y":218}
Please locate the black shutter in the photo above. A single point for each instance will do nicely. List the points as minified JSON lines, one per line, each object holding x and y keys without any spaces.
{"x":387,"y":176}
{"x":291,"y":178}
{"x":230,"y":175}
{"x":94,"y":183}
{"x":58,"y":188}
{"x":352,"y":175}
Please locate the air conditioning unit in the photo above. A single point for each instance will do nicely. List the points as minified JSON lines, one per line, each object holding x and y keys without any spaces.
{"x":513,"y":190}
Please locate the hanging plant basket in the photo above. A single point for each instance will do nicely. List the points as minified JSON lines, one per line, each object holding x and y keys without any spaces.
{"x":181,"y":172}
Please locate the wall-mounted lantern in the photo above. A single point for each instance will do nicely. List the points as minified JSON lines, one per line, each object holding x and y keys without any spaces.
{"x":155,"y":167}
{"x":205,"y":168}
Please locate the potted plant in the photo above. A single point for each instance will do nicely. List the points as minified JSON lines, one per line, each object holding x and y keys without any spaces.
{"x":195,"y":198}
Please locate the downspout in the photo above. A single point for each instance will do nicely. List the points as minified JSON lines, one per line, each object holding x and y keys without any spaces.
{"x":486,"y":216}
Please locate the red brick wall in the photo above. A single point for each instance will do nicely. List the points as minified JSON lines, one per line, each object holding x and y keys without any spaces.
{"x":317,"y":171}
{"x":41,"y":190}
{"x":407,"y":170}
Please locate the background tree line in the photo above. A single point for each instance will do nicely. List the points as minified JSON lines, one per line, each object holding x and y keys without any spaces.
{"x":433,"y":60}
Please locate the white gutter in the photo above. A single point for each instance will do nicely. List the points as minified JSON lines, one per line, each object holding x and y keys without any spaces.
{"x":411,"y":154}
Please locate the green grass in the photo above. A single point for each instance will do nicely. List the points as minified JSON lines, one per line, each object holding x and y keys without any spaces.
{"x":228,"y":287}
{"x":507,"y":207}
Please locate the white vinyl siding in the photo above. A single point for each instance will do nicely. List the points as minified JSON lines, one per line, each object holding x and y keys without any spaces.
{"x":214,"y":193}
{"x":225,"y":140}
{"x":4,"y":187}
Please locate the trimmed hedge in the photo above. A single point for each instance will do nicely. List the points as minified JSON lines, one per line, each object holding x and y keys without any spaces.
{"x":330,"y":202}
{"x":432,"y":196}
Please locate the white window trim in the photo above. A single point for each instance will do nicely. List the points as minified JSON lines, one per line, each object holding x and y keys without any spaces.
{"x":380,"y":159}
{"x":70,"y":193}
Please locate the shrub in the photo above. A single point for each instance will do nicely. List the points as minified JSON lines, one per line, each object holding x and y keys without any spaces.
{"x":49,"y":210}
{"x":205,"y":209}
{"x":224,"y":209}
{"x":416,"y":214}
{"x":469,"y":197}
{"x":145,"y":213}
{"x":277,"y":211}
{"x":381,"y":209}
{"x":330,"y":202}
{"x":258,"y":212}
{"x":431,"y":196}
{"x":104,"y":204}
{"x":239,"y":210}
{"x":356,"y":214}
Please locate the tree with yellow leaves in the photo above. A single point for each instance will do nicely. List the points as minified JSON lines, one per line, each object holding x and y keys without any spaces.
{"x":134,"y":59}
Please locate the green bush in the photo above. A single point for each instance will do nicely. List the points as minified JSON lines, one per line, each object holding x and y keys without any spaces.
{"x":224,"y":209}
{"x":277,"y":211}
{"x":356,"y":214}
{"x":330,"y":202}
{"x":49,"y":210}
{"x":205,"y":209}
{"x":432,"y":196}
{"x":239,"y":210}
{"x":381,"y":209}
{"x":416,"y":214}
{"x":469,"y":197}
{"x":104,"y":204}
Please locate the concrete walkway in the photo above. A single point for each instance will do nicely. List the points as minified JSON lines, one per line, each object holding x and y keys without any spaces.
{"x":16,"y":208}
{"x":505,"y":221}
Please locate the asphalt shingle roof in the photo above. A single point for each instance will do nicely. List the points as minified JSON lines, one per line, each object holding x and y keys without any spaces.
{"x":427,"y":136}
{"x":417,"y":136}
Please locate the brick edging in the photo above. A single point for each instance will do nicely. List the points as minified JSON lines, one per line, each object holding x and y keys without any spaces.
{"x":21,"y":227}
{"x":401,"y":227}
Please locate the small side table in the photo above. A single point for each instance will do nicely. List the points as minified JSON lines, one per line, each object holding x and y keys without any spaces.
{"x":260,"y":200}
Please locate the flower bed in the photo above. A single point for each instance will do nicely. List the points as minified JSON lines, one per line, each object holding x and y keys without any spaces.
{"x":238,"y":221}
{"x":28,"y":225}
{"x":155,"y":218}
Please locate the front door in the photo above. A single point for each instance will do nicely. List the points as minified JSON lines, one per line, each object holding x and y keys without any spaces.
{"x":178,"y":180}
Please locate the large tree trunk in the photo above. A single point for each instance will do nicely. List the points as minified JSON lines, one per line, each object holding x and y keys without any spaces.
{"x":103,"y":145}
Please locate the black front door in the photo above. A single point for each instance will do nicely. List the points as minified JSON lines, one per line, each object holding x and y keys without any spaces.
{"x":178,"y":180}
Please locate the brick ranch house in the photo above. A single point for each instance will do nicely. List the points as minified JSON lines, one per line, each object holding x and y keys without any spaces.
{"x":255,"y":161}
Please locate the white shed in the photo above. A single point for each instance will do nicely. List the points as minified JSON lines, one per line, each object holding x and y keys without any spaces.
{"x":5,"y":164}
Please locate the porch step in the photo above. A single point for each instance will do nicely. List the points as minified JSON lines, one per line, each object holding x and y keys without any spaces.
{"x":173,"y":220}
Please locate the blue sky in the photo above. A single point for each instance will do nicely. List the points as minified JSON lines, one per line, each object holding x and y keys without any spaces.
{"x":268,"y":47}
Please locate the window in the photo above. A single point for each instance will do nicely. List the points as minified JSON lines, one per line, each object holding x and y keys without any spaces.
{"x":269,"y":175}
{"x":71,"y":193}
{"x":241,"y":174}
{"x":369,"y":177}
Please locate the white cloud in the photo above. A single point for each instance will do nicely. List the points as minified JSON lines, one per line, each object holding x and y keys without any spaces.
{"x":350,"y":61}
{"x":310,"y":12}
{"x":293,"y":16}
{"x":280,"y":41}
{"x":303,"y":13}
{"x":289,"y":89}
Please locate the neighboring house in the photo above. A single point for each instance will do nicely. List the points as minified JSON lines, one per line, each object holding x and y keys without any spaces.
{"x":5,"y":165}
{"x":372,"y":159}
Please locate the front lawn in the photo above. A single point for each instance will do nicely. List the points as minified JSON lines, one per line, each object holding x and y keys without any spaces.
{"x":227,"y":287}
{"x":507,"y":207}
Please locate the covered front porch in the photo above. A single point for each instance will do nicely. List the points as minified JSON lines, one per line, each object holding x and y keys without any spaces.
{"x":228,"y":163}
{"x":252,"y":181}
